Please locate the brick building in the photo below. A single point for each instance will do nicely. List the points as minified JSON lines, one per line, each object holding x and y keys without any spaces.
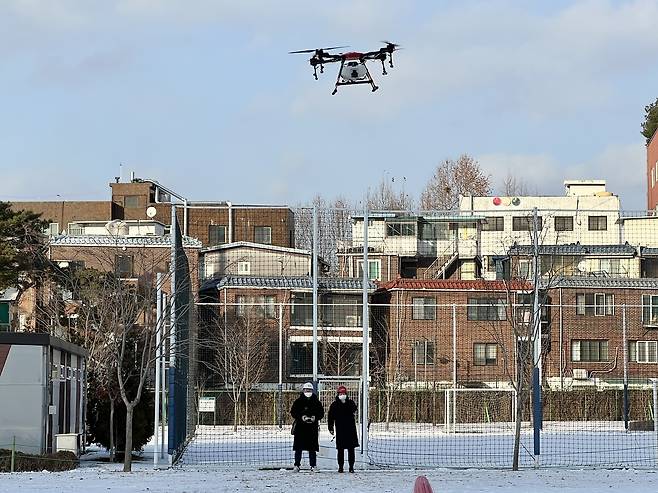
{"x":652,"y":173}
{"x":213,"y":223}
{"x":413,"y":321}
{"x":587,"y":331}
{"x":257,"y":301}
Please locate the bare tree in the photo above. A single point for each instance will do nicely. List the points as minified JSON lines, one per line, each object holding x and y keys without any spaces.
{"x":334,"y":228}
{"x":387,"y":372}
{"x":240,"y":354}
{"x":452,"y":179}
{"x":385,"y":197}
{"x":513,"y":185}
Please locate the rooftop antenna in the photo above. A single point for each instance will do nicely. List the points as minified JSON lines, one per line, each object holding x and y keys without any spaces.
{"x":120,"y":172}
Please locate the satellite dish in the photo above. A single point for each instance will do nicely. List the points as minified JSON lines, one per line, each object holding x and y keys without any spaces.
{"x":117,"y":227}
{"x":582,"y":266}
{"x":151,"y":212}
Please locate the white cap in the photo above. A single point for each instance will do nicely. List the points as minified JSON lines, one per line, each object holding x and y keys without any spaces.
{"x":307,"y":386}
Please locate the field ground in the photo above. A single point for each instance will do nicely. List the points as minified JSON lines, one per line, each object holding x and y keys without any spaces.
{"x":96,"y":477}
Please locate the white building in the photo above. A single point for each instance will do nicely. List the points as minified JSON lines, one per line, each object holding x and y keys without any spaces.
{"x":476,"y":241}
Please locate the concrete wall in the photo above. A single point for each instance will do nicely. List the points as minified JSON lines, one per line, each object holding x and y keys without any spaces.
{"x":261,"y":262}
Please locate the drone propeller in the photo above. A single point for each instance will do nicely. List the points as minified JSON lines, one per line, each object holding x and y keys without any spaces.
{"x":317,"y":50}
{"x":390,"y":47}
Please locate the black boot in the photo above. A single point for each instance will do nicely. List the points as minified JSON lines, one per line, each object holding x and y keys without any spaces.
{"x":340,"y":468}
{"x":351,"y":468}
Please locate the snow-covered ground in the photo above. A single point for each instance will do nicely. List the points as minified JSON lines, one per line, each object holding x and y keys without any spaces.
{"x":104,"y":478}
{"x":244,"y":449}
{"x":563,"y":444}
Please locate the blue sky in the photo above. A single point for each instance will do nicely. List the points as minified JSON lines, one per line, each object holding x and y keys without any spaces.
{"x":203,"y":96}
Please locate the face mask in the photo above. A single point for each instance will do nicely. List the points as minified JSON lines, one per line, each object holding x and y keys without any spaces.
{"x":342,"y":397}
{"x":308,"y":394}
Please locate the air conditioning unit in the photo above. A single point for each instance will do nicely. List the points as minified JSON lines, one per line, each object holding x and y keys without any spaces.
{"x":580,"y":374}
{"x":351,"y":320}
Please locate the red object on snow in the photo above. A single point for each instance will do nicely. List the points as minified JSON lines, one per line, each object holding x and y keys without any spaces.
{"x":422,"y":485}
{"x":342,"y":390}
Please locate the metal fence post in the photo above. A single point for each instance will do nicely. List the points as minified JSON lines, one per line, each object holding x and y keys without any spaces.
{"x":453,"y":411}
{"x":314,"y":271}
{"x":13,"y":454}
{"x":625,"y":343}
{"x":655,"y":413}
{"x":158,"y":353}
{"x":280,"y":385}
{"x":366,"y":333}
{"x":536,"y":333}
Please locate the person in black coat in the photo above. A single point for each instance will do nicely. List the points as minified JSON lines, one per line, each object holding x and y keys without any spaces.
{"x":341,"y":415}
{"x":307,"y":411}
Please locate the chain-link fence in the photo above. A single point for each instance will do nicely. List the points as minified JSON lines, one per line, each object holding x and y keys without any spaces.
{"x":489,"y":330}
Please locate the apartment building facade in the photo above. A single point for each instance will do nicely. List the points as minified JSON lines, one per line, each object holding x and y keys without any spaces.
{"x":213,"y":223}
{"x":280,"y":311}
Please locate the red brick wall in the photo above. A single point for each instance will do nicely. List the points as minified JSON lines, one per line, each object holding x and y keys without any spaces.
{"x":67,"y":212}
{"x":652,"y":163}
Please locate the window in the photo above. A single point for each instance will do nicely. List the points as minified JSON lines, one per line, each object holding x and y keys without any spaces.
{"x":302,"y":309}
{"x":434,"y":231}
{"x":563,"y":223}
{"x":485,"y":354}
{"x":244,"y":268}
{"x":132,"y":201}
{"x":52,"y":229}
{"x":216,"y":234}
{"x":241,"y":306}
{"x":268,"y":306}
{"x":301,"y":358}
{"x":263,"y":234}
{"x":423,"y":309}
{"x":589,"y":350}
{"x":423,"y":352}
{"x":400,"y":229}
{"x":123,"y":266}
{"x":650,"y":310}
{"x":643,"y":351}
{"x":653,"y":177}
{"x":597,"y":223}
{"x":4,"y":317}
{"x":525,"y":223}
{"x":525,"y":268}
{"x":494,"y":224}
{"x":610,"y":266}
{"x":598,"y":304}
{"x":486,"y":309}
{"x":76,"y":229}
{"x":374,"y":270}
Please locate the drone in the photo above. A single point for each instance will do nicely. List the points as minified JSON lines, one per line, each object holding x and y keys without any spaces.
{"x":353,"y":69}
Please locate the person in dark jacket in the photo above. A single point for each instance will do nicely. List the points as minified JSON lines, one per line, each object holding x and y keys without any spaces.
{"x":341,"y":415}
{"x":307,"y":411}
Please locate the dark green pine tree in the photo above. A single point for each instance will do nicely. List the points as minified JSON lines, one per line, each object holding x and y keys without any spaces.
{"x":22,"y":247}
{"x":650,"y":123}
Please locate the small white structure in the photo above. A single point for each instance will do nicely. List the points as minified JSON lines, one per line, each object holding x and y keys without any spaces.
{"x":42,"y":392}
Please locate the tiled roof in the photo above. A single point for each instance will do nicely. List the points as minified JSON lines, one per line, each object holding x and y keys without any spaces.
{"x":128,"y":241}
{"x":455,"y":284}
{"x":302,"y":282}
{"x":604,"y":283}
{"x":649,"y":251}
{"x":260,"y":246}
{"x":575,"y":249}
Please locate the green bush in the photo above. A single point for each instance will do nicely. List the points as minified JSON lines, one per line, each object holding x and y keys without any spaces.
{"x":60,"y":461}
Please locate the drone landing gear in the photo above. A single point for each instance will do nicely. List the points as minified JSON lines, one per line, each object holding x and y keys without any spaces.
{"x":340,"y":81}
